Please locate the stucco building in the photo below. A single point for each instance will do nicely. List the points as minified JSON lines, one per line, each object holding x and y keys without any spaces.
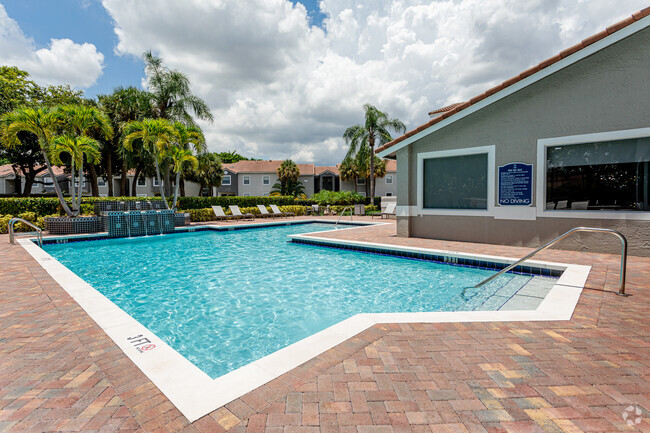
{"x":565,"y":143}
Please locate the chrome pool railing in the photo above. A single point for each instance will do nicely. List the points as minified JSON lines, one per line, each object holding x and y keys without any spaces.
{"x":341,"y":216}
{"x":37,"y":231}
{"x":621,"y":286}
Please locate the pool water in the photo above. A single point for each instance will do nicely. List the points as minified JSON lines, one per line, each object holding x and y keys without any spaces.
{"x":226,"y":298}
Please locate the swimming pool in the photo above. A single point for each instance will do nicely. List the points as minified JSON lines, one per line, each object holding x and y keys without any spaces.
{"x":223,"y":299}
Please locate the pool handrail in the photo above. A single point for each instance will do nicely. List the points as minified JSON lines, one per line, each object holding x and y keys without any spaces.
{"x":621,"y":286}
{"x":341,"y":216}
{"x":37,"y":230}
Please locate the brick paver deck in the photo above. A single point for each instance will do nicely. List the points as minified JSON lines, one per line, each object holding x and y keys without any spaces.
{"x":60,"y":372}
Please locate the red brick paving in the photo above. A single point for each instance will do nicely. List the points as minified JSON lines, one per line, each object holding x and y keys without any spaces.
{"x":60,"y":372}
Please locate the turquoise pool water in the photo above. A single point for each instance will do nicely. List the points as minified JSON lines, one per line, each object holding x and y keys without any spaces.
{"x":224,"y":299}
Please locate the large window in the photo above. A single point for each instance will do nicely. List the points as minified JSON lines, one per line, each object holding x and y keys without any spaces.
{"x":602,"y":176}
{"x":456,"y":182}
{"x":225,"y":180}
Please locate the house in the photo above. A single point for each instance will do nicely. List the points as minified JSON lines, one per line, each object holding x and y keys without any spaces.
{"x":256,"y":178}
{"x":565,"y":143}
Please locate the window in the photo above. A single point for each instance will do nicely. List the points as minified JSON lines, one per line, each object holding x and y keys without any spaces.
{"x":361,"y":181}
{"x":246,"y":194}
{"x":266,"y":180}
{"x":142,"y":195}
{"x":48,"y":181}
{"x":76,"y":183}
{"x":389,"y":194}
{"x":456,"y":182}
{"x":247,"y":180}
{"x":611,"y":175}
{"x":101,"y":181}
{"x":363,"y":194}
{"x":225,"y":180}
{"x":142,"y":181}
{"x":155,"y":182}
{"x":389,"y":179}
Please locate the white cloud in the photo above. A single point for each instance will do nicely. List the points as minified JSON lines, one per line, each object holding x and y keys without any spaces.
{"x":279,"y":88}
{"x":63,"y":62}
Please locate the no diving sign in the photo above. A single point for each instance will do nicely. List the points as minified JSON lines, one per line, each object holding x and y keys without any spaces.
{"x":141,"y":343}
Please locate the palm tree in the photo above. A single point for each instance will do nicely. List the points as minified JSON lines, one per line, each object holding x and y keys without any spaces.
{"x":77,"y":147}
{"x":288,"y":183}
{"x":374,"y":131}
{"x":180,"y":153}
{"x":41,"y":122}
{"x":348,"y":170}
{"x":181,"y":158}
{"x":171,"y":95}
{"x":86,"y":120}
{"x":156,"y":136}
{"x":122,"y":106}
{"x":209,"y":172}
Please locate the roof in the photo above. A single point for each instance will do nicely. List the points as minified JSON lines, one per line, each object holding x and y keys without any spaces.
{"x":7,"y":170}
{"x":445,"y":108}
{"x":525,"y":74}
{"x":331,"y":168}
{"x":265,"y":167}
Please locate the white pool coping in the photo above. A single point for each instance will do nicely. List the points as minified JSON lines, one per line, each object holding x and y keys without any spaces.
{"x":196,"y":394}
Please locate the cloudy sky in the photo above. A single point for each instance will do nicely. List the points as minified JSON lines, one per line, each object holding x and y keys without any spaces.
{"x":284,"y":79}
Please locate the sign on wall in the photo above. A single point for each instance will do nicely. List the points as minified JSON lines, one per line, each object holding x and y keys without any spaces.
{"x":516,"y":184}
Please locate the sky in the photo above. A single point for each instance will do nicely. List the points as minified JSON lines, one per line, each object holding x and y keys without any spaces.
{"x":284,"y":79}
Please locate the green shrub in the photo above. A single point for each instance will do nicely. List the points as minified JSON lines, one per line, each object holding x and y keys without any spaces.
{"x":207,"y":214}
{"x":50,"y":205}
{"x":325,"y":197}
{"x":187,"y":203}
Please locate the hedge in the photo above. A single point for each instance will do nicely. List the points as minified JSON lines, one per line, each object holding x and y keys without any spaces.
{"x":43,"y":206}
{"x":187,"y":203}
{"x":207,"y":214}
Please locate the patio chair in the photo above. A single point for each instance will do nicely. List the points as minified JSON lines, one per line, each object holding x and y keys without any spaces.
{"x":390,"y":210}
{"x":220,"y":215}
{"x":236,"y":212}
{"x":278,"y":212}
{"x":265,"y":213}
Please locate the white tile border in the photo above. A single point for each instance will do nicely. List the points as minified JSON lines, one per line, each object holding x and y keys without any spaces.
{"x":195,"y":394}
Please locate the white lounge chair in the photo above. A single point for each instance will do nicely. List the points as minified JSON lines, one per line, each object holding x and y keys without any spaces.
{"x":236,"y":212}
{"x":220,"y":215}
{"x":278,"y":212}
{"x":265,"y":213}
{"x":390,"y":210}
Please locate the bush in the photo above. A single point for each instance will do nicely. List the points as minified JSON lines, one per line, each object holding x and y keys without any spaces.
{"x":207,"y":214}
{"x":50,"y":205}
{"x":325,"y":197}
{"x":187,"y":203}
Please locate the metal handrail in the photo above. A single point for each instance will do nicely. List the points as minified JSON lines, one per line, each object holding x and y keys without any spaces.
{"x":621,"y":287}
{"x":37,"y":230}
{"x":343,"y":213}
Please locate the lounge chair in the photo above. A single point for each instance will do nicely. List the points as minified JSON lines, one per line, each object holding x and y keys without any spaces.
{"x":390,"y":210}
{"x":236,"y":212}
{"x":220,"y":215}
{"x":265,"y":213}
{"x":278,"y":212}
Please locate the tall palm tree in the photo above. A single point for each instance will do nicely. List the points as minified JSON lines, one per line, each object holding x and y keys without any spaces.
{"x":374,"y":131}
{"x":156,"y":136}
{"x":77,"y":147}
{"x":184,"y":137}
{"x":42,"y":122}
{"x":209,"y":172}
{"x":348,"y":170}
{"x":86,"y":120}
{"x":288,"y":180}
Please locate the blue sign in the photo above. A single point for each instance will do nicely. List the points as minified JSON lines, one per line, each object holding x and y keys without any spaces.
{"x":516,"y":184}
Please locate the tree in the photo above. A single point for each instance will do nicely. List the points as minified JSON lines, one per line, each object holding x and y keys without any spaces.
{"x":374,"y":131}
{"x":232,"y":157}
{"x":122,"y":106}
{"x":86,"y":120}
{"x":180,"y":153}
{"x":156,"y":136}
{"x":209,"y":172}
{"x":42,"y":122}
{"x":18,"y":92}
{"x":171,"y":96}
{"x":348,"y":170}
{"x":288,"y":183}
{"x":77,"y":146}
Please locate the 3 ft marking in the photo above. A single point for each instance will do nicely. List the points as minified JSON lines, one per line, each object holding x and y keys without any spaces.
{"x":141,"y":343}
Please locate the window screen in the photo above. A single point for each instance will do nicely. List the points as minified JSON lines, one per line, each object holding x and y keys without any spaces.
{"x":456,"y":182}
